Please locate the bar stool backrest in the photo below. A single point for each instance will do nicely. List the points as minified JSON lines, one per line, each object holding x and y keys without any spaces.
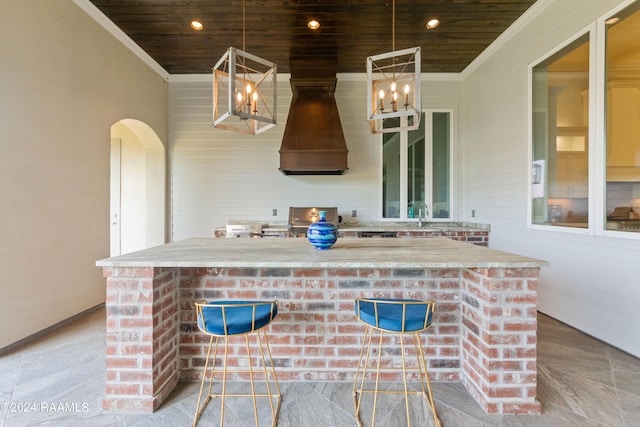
{"x":234,"y":317}
{"x":395,"y":315}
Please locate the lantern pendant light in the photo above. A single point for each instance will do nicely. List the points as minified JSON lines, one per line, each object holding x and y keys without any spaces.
{"x":393,"y":81}
{"x":244,"y":91}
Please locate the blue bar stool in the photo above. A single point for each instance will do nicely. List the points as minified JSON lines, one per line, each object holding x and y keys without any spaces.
{"x":225,"y":319}
{"x":395,"y":316}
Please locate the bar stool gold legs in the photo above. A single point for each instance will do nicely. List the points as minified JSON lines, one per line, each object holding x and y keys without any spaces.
{"x":270,"y":389}
{"x":373,"y":368}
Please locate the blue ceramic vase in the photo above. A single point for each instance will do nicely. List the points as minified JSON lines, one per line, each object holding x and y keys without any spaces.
{"x":322,"y":234}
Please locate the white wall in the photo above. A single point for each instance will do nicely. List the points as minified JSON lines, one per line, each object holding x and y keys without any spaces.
{"x":219,"y":175}
{"x":64,"y":81}
{"x":593,"y":282}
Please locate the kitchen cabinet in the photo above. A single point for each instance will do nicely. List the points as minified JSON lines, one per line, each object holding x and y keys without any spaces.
{"x":623,"y":125}
{"x":572,"y":175}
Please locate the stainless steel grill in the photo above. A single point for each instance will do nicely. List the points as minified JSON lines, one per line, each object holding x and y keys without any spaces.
{"x":301,"y":217}
{"x":240,"y":229}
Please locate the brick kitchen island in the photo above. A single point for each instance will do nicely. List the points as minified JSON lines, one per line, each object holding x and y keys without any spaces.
{"x":483,"y":334}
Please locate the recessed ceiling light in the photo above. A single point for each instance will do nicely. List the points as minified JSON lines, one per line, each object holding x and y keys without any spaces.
{"x":432,"y":23}
{"x":313,"y":24}
{"x":612,"y":21}
{"x":197,"y":25}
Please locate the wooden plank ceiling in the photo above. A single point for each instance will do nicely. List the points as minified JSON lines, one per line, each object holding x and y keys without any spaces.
{"x":350,"y":31}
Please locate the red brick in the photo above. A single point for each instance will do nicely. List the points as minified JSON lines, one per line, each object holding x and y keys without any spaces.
{"x":308,"y":272}
{"x":374,"y":273}
{"x":534,"y":408}
{"x":324,"y":351}
{"x":123,"y":389}
{"x":503,"y":365}
{"x":135,"y":349}
{"x":520,"y":325}
{"x":503,"y":339}
{"x":342,"y":272}
{"x":121,"y":362}
{"x":519,"y":378}
{"x":444,"y":273}
{"x":519,"y":353}
{"x":134,"y":376}
{"x":520,"y":299}
{"x":135,"y":322}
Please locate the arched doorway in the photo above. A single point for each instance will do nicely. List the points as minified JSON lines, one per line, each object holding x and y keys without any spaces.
{"x":137,"y":187}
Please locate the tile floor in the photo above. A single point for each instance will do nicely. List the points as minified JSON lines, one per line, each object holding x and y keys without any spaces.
{"x":59,"y":380}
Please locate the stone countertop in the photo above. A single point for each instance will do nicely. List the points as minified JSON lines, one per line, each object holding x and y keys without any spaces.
{"x":413,"y":226}
{"x":382,"y":226}
{"x":299,"y":253}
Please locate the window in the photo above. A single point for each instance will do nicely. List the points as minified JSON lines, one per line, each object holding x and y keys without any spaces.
{"x":416,"y":169}
{"x":577,"y":183}
{"x":560,"y":130}
{"x":623,"y":120}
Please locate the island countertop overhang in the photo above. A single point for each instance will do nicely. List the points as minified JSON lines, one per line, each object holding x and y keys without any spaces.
{"x":299,"y":253}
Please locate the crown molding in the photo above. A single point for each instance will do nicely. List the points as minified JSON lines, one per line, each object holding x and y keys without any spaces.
{"x":536,"y":9}
{"x":91,"y":10}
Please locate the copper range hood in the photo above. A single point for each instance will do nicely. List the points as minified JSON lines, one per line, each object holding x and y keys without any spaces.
{"x":313,"y":142}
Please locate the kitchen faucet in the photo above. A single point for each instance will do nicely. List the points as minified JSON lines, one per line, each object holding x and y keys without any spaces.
{"x":422,"y":219}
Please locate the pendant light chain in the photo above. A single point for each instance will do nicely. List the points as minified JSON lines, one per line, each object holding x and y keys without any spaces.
{"x":244,"y":47}
{"x":393,"y":36}
{"x":393,"y":27}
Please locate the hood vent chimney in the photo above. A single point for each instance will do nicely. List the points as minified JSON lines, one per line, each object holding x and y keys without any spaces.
{"x":313,"y":142}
